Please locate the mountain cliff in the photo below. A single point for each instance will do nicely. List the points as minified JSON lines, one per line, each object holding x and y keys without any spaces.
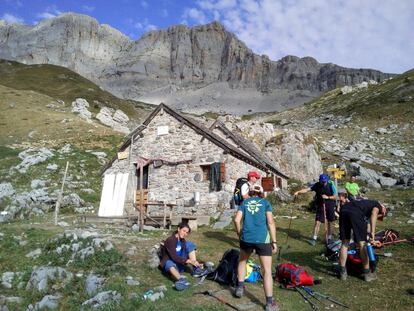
{"x":203,"y":68}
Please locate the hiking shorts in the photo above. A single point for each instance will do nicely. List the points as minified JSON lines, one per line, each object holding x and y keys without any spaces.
{"x":189,"y":247}
{"x":330,"y":213}
{"x":262,"y":249}
{"x":350,"y":220}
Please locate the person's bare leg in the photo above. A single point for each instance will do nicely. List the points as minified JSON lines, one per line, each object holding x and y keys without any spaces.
{"x":316,"y":228}
{"x":266,"y":267}
{"x":343,"y":253}
{"x":174,"y":272}
{"x":241,"y":268}
{"x":364,"y":255}
{"x":192,"y":256}
{"x":331,"y":227}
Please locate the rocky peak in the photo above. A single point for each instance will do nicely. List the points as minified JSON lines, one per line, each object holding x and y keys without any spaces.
{"x":192,"y":68}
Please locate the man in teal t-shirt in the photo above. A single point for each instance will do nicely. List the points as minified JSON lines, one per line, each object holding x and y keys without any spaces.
{"x":258,"y":233}
{"x":352,"y":189}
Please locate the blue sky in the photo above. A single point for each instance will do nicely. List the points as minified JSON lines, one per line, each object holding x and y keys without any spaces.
{"x":376,"y":34}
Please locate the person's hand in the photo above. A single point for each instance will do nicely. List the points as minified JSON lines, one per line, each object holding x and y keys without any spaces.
{"x":324,"y":196}
{"x":274,"y":248}
{"x":296,"y":194}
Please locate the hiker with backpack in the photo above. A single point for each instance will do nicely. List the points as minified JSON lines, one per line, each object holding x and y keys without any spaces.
{"x":352,"y":216}
{"x":325,"y":201}
{"x":176,"y":253}
{"x":258,"y":233}
{"x":241,"y":191}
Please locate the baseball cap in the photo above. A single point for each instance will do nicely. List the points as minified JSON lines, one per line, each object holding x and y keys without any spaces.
{"x":342,"y":191}
{"x":253,"y":174}
{"x":323,"y":178}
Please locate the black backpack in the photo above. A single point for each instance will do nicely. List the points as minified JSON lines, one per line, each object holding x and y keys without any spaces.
{"x":226,"y":271}
{"x":238,"y":199}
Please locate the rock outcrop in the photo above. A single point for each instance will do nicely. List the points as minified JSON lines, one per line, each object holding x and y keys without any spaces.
{"x":196,"y":69}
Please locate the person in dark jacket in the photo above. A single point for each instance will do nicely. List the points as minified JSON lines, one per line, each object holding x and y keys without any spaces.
{"x":325,"y":201}
{"x":352,"y":216}
{"x":176,"y":253}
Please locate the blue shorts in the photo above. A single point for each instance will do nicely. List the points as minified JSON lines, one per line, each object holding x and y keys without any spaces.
{"x":189,"y":247}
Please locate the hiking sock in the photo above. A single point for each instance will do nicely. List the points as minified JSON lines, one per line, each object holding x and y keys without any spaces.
{"x":269,"y":300}
{"x":240,"y":284}
{"x":314,"y":237}
{"x":329,"y":237}
{"x":342,"y":269}
{"x":366,"y":271}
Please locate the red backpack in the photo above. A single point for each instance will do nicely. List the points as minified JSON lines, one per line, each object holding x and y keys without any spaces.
{"x":291,"y":275}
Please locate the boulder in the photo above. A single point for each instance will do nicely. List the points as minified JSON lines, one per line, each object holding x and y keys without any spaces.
{"x":102,"y":299}
{"x":80,"y":106}
{"x":6,"y":190}
{"x":50,"y":302}
{"x":32,"y":156}
{"x":93,"y":283}
{"x":43,"y":276}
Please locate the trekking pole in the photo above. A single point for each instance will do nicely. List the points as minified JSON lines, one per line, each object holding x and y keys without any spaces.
{"x":331,"y":299}
{"x":211,"y":294}
{"x":325,"y":223}
{"x":313,"y":306}
{"x":287,"y":232}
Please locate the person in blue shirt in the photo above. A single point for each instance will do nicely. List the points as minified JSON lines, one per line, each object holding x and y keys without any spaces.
{"x":258,"y":233}
{"x":176,"y":253}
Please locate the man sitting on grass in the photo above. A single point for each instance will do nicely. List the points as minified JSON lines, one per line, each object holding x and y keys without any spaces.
{"x":352,"y":216}
{"x":176,"y":253}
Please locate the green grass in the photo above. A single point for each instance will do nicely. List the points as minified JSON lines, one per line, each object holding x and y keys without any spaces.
{"x":61,"y":83}
{"x":389,"y":292}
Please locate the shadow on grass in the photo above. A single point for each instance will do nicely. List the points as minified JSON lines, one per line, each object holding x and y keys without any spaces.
{"x":293,"y":234}
{"x":222,"y":237}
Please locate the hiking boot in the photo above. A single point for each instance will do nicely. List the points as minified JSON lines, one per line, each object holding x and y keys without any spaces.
{"x":343,"y":275}
{"x":199,"y":272}
{"x":239,"y":291}
{"x":312,"y":242}
{"x":368,"y":277}
{"x":182,"y":284}
{"x":272,"y":306}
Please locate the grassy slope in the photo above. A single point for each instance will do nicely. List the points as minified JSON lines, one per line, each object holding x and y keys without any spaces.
{"x":383,"y":103}
{"x":389,"y":292}
{"x":26,"y":121}
{"x":62,"y":83}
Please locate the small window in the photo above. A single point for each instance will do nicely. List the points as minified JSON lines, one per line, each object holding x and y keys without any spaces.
{"x":206,"y":172}
{"x":162,"y":130}
{"x":207,"y":169}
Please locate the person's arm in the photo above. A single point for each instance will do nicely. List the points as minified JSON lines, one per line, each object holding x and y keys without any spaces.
{"x":237,"y":222}
{"x":272,"y":230}
{"x":170,"y":245}
{"x":245,"y":191}
{"x":302,"y":191}
{"x":328,"y":197}
{"x":373,"y":222}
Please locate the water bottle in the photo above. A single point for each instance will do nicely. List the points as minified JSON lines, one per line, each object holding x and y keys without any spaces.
{"x":370,"y":251}
{"x":352,"y":252}
{"x":148,"y":294}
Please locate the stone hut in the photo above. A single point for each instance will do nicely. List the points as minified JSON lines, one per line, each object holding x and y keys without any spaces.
{"x":185,"y":164}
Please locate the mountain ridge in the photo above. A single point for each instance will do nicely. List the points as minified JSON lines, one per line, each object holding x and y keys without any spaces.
{"x":196,"y":69}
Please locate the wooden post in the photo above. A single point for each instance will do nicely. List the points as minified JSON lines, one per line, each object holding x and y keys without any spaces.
{"x":141,"y":203}
{"x":59,"y":200}
{"x":164,"y":224}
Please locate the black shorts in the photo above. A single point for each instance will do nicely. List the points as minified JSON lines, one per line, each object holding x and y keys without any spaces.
{"x":330,"y":213}
{"x":262,"y":249}
{"x":350,"y":219}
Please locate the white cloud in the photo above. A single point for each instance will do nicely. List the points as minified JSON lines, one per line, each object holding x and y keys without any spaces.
{"x":88,"y":8}
{"x":12,"y":19}
{"x":197,"y":15}
{"x":49,"y":12}
{"x":359,"y":34}
{"x":144,"y":25}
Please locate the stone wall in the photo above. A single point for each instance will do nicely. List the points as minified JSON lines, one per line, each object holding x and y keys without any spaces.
{"x":177,"y":183}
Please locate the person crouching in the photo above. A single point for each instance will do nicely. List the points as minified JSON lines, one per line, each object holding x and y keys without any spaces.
{"x":352,"y":215}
